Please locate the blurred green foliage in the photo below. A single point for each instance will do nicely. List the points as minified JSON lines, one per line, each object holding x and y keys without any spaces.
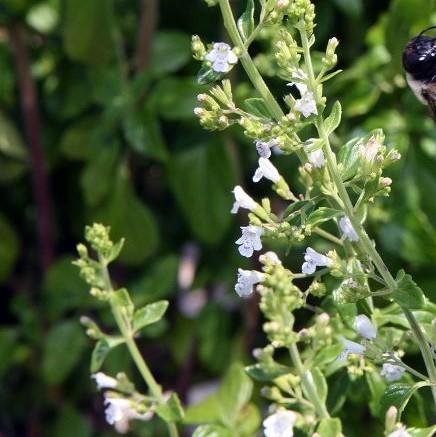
{"x":123,"y":147}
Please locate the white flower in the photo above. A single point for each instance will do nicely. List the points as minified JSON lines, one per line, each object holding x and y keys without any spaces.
{"x":306,"y":105}
{"x":242,"y":200}
{"x":300,"y":78}
{"x":222,"y":57}
{"x":370,"y":149}
{"x":250,"y":240}
{"x":119,"y":411}
{"x":316,"y":157}
{"x":280,"y":424}
{"x":104,"y":381}
{"x":267,"y":170}
{"x":400,"y":433}
{"x":348,"y":231}
{"x":264,"y":149}
{"x":246,"y":280}
{"x":365,"y":327}
{"x":350,"y":347}
{"x":313,"y":259}
{"x":391,"y":372}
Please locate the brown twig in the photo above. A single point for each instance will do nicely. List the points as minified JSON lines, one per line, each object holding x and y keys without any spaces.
{"x":147,"y":27}
{"x":29,"y":107}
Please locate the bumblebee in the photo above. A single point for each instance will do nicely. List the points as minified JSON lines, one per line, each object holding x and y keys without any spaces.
{"x":419,"y":61}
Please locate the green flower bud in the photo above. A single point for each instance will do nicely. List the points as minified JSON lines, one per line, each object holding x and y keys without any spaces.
{"x":198,"y":48}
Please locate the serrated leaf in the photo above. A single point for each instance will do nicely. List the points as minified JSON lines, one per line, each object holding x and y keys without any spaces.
{"x":246,"y":21}
{"x":172,"y":410}
{"x":321,"y":215}
{"x":234,"y":394}
{"x":408,"y":294}
{"x":149,"y":314}
{"x":330,"y":428}
{"x":399,"y":395}
{"x":334,"y":119}
{"x":256,"y":106}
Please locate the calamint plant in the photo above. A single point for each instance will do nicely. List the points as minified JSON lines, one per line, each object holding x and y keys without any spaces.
{"x":366,"y":317}
{"x":364,"y":299}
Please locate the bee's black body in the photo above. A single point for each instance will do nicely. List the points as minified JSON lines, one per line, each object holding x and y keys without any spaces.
{"x":419,"y":61}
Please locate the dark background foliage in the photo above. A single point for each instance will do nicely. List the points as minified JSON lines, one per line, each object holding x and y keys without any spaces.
{"x":96,"y":124}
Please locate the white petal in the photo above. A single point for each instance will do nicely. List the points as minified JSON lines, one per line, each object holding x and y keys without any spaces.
{"x":104,"y":381}
{"x":211,"y":56}
{"x":317,"y":158}
{"x":365,"y":327}
{"x":268,"y":170}
{"x":258,"y":175}
{"x":391,"y":372}
{"x":243,"y":199}
{"x":232,"y":58}
{"x":246,"y":249}
{"x":221,"y":66}
{"x":348,"y":231}
{"x":308,"y":267}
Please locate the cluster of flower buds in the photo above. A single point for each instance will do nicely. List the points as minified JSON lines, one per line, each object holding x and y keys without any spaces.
{"x":287,"y":54}
{"x":330,"y":59}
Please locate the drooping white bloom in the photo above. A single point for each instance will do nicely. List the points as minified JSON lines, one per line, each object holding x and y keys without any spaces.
{"x":242,"y":200}
{"x":300,"y":78}
{"x":264,"y":149}
{"x":370,"y":149}
{"x":365,"y":327}
{"x":307,"y":104}
{"x":249,"y":240}
{"x":280,"y":424}
{"x":348,"y":231}
{"x":402,"y":432}
{"x":104,"y":381}
{"x":350,"y":347}
{"x":267,"y":170}
{"x":313,"y":259}
{"x":316,"y":157}
{"x":391,"y":372}
{"x":246,"y":280}
{"x":222,"y":57}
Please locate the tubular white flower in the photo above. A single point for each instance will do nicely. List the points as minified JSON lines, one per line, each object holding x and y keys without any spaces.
{"x":222,"y":57}
{"x":250,"y":240}
{"x":350,"y":347}
{"x":300,"y":78}
{"x":242,"y":200}
{"x":246,"y":280}
{"x":104,"y":381}
{"x":391,"y":372}
{"x":316,"y":157}
{"x":267,"y":170}
{"x":314,"y":259}
{"x":307,"y":104}
{"x":280,"y":424}
{"x":402,"y":432}
{"x":348,"y":231}
{"x":365,"y":327}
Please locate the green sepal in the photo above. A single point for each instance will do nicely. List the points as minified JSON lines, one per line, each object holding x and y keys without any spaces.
{"x":207,"y":75}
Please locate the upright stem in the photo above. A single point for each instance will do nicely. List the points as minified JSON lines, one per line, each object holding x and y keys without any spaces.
{"x":364,"y":242}
{"x":126,"y":332}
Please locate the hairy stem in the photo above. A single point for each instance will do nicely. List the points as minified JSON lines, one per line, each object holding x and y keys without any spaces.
{"x":125,"y":329}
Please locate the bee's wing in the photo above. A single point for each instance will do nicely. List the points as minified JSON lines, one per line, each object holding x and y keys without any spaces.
{"x":429,"y":95}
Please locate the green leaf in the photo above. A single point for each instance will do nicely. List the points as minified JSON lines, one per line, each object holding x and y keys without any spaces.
{"x":330,"y":428}
{"x":349,"y":158}
{"x":256,"y":106}
{"x":318,"y":379}
{"x":88,"y":33}
{"x":9,"y":248}
{"x":149,"y":314}
{"x":261,"y":372}
{"x":334,"y":119}
{"x":121,"y":299}
{"x":408,"y":294}
{"x":246,"y":21}
{"x":205,"y":411}
{"x":212,"y":431}
{"x":327,"y":355}
{"x":172,"y":410}
{"x":170,"y":51}
{"x":197,"y":176}
{"x":234,"y":394}
{"x":131,"y":219}
{"x":99,"y":354}
{"x":399,"y":395}
{"x":422,"y":432}
{"x":63,"y":349}
{"x":377,"y":386}
{"x":321,"y":215}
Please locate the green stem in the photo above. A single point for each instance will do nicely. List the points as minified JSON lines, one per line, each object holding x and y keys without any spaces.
{"x":308,"y":384}
{"x":124,"y":327}
{"x":365,"y":242}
